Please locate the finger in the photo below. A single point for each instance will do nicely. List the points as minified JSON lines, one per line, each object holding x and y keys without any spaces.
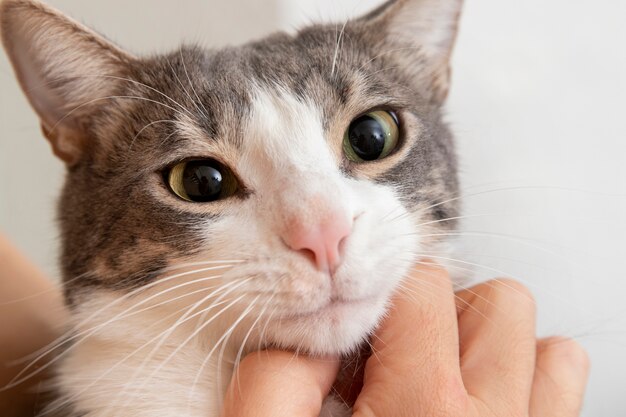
{"x":416,"y":353}
{"x":497,"y":340}
{"x":276,"y":383}
{"x":560,"y":378}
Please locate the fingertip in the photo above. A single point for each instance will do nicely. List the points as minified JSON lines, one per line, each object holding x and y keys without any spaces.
{"x":263,"y":380}
{"x":426,"y":277}
{"x":435,"y":270}
{"x":565,"y":352}
{"x":561,"y":375}
{"x":283,"y":364}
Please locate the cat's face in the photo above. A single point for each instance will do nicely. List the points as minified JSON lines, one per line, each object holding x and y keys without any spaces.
{"x":295,"y":180}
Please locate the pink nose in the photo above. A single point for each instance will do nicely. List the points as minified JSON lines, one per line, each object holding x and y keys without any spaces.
{"x":322,"y":241}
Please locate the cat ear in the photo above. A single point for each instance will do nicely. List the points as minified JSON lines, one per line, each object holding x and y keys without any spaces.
{"x":63,"y":67}
{"x":428,"y":25}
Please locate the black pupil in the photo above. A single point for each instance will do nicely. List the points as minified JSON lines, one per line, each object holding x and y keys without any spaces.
{"x":202,"y":182}
{"x":367,"y":138}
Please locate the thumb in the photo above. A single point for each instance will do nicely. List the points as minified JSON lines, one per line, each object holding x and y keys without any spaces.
{"x":277,"y":383}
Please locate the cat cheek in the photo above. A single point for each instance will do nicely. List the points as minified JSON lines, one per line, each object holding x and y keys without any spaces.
{"x":385,"y":237}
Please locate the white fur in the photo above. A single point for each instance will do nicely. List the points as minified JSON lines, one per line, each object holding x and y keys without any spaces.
{"x":289,"y":164}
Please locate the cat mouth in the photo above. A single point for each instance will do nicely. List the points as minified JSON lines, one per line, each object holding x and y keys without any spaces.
{"x":335,"y":307}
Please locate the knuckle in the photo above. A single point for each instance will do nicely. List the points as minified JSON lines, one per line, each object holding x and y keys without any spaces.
{"x":504,"y":292}
{"x":513,"y":291}
{"x":566,"y":349}
{"x":452,"y":398}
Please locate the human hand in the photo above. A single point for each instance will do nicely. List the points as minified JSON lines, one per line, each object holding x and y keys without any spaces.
{"x":32,"y":315}
{"x":436,"y":355}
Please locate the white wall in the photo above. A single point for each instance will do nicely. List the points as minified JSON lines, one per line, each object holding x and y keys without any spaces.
{"x":538,"y":104}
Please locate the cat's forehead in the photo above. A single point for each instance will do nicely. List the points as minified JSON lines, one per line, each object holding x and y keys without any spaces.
{"x":311,"y":62}
{"x":218,"y":89}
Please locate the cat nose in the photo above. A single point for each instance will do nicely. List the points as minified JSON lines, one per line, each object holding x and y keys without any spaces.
{"x":322,"y":241}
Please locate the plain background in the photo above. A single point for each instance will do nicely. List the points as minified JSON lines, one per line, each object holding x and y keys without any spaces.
{"x":538,"y":105}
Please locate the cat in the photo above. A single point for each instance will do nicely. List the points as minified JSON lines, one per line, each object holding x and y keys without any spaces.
{"x":217,"y":202}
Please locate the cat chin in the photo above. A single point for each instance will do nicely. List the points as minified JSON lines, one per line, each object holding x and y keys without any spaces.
{"x":339,"y":328}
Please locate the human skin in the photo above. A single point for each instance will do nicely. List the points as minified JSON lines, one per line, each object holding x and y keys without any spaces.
{"x":32,"y":315}
{"x":436,"y":355}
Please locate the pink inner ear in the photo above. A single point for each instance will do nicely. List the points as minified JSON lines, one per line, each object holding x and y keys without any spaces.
{"x":320,"y":236}
{"x":62,"y":67}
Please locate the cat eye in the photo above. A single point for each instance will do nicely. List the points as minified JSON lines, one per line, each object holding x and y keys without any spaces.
{"x":371,"y":136}
{"x":201,"y":180}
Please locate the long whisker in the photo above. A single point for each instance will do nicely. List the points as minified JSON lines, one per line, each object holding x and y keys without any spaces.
{"x":75,"y":109}
{"x":19,"y":377}
{"x":513,"y":188}
{"x":336,"y":53}
{"x":202,"y":110}
{"x":264,"y":330}
{"x":222,"y":341}
{"x":110,"y":369}
{"x":114,"y":77}
{"x":245,"y":339}
{"x":184,"y":318}
{"x":194,"y":334}
{"x":183,"y":87}
{"x":431,"y":285}
{"x":191,"y":336}
{"x":53,"y":345}
{"x":501,"y":273}
{"x":521,"y":241}
{"x":132,"y":142}
{"x":153,"y":284}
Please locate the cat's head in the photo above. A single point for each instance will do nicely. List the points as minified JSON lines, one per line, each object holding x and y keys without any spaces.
{"x":293,"y":179}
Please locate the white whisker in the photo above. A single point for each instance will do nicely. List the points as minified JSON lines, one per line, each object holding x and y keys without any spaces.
{"x":132,"y":142}
{"x":336,"y":53}
{"x":203,"y":110}
{"x":75,"y":109}
{"x":222,"y":341}
{"x":19,"y":378}
{"x":137,"y":350}
{"x":183,"y":87}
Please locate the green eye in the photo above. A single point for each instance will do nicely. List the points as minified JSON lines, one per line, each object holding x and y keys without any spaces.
{"x":201,"y":180}
{"x":371,"y":136}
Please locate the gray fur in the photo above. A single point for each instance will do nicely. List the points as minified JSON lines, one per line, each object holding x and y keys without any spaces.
{"x":113,"y":177}
{"x":117,"y":235}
